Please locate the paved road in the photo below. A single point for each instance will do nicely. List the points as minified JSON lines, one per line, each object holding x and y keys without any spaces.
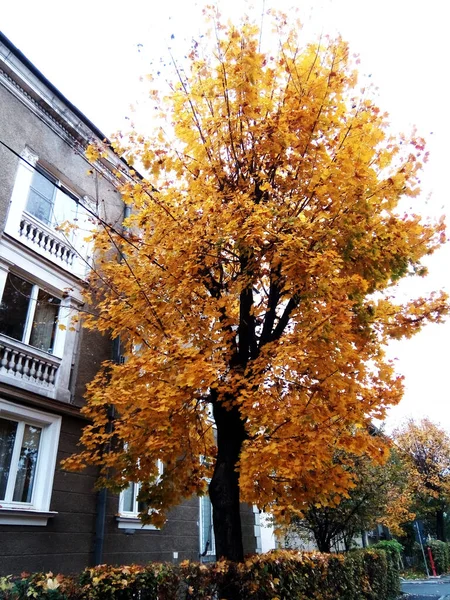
{"x":431,"y":589}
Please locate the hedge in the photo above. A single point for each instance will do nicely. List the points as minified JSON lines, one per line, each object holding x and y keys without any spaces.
{"x":441,"y":556}
{"x":370,"y":574}
{"x":394,"y":550}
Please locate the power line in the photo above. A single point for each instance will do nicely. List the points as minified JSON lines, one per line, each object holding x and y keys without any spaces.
{"x":62,"y":189}
{"x":109,"y":228}
{"x":43,"y":173}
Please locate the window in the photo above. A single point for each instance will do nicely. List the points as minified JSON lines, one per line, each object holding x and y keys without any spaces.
{"x":28,"y":446}
{"x":49,"y":218}
{"x":28,"y":313}
{"x":130,"y":506}
{"x":41,"y":197}
{"x":129,"y":503}
{"x":49,"y":202}
{"x":19,"y":449}
{"x":207,"y":541}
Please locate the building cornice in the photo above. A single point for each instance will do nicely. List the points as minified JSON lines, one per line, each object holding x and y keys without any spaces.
{"x":24,"y":81}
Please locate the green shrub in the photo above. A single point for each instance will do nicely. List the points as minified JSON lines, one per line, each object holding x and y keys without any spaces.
{"x":391,"y":546}
{"x":376,"y":567}
{"x":393,"y":551}
{"x":441,"y":556}
{"x":39,"y":586}
{"x":343,"y":574}
{"x":440,"y":552}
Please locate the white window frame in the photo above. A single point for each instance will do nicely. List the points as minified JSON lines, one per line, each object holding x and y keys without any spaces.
{"x":130,"y":519}
{"x":212,"y":549}
{"x":82,"y":262}
{"x":38,"y":168}
{"x":31,"y":309}
{"x":60,"y":190}
{"x":37,"y":511}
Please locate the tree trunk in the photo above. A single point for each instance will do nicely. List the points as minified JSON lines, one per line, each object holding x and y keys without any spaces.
{"x":440,"y":525}
{"x":224,"y":486}
{"x":324,"y":545}
{"x":323,"y":542}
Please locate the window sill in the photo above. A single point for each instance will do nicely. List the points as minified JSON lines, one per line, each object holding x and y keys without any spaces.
{"x":133,"y":523}
{"x":20,"y":516}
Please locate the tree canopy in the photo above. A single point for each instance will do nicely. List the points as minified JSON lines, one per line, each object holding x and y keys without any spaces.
{"x":380,"y":496}
{"x":425,"y":449}
{"x":252,"y":290}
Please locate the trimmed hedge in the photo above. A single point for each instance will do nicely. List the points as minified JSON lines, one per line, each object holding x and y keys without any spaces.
{"x":394,"y":550}
{"x":370,"y":574}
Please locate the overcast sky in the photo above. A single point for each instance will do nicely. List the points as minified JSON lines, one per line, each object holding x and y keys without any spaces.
{"x":95,"y":51}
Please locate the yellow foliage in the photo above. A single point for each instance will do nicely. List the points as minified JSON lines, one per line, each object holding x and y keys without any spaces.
{"x":425,"y":449}
{"x":249,"y":268}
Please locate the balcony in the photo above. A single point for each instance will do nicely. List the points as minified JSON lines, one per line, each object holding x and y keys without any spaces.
{"x":39,"y":206}
{"x":27,"y":367}
{"x":34,"y":234}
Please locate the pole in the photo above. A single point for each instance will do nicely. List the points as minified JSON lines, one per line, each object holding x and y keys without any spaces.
{"x":421,"y":545}
{"x":100,"y":526}
{"x":430,"y":556}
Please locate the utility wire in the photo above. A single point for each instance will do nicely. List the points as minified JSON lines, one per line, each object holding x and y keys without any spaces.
{"x":42,"y":172}
{"x":67,"y":192}
{"x":109,"y":228}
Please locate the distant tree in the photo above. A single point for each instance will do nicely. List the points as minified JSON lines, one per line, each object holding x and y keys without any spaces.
{"x":254,"y":284}
{"x":426,"y":451}
{"x":378,"y":497}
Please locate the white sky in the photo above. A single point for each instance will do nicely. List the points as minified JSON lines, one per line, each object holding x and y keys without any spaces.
{"x":94,"y":52}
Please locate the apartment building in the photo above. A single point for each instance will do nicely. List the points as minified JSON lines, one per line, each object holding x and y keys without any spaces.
{"x":51,"y":519}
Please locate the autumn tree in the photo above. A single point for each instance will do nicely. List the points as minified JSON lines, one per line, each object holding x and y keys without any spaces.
{"x":252,"y":294}
{"x":426,"y":450}
{"x":379,"y":496}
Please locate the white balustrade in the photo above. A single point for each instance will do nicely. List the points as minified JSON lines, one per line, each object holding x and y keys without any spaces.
{"x":27,"y":364}
{"x":39,"y":236}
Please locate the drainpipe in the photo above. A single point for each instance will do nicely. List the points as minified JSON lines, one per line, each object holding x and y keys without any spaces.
{"x":100,"y":526}
{"x":102,"y":495}
{"x":100,"y":518}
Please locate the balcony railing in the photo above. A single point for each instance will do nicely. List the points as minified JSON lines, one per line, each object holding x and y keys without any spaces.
{"x":24,"y":365}
{"x":48,"y":242}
